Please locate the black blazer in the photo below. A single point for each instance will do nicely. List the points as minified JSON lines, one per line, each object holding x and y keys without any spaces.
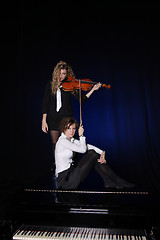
{"x":49,"y":102}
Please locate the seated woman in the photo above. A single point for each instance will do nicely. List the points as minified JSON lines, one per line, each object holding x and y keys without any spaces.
{"x":69,"y":176}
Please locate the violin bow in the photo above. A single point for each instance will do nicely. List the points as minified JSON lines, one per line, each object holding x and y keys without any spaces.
{"x":80,"y":101}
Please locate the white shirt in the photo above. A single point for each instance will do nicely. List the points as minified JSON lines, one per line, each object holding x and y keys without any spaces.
{"x":65,"y":148}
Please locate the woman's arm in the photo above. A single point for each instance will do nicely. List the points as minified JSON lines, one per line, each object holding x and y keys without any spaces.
{"x":96,"y":149}
{"x":44,"y":123}
{"x":45,"y":104}
{"x":75,"y":146}
{"x":84,"y":97}
{"x":102,"y":159}
{"x":95,"y":87}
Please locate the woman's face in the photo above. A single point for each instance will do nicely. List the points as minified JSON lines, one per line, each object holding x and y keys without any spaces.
{"x":70,"y":132}
{"x":63,"y":74}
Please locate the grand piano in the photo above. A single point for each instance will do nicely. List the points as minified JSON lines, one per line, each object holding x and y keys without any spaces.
{"x":43,"y":212}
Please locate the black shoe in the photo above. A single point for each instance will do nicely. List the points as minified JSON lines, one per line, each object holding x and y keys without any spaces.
{"x":128,"y":185}
{"x":125,"y":184}
{"x":113,"y":186}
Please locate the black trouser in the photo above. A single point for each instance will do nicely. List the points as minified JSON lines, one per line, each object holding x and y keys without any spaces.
{"x":71,"y":178}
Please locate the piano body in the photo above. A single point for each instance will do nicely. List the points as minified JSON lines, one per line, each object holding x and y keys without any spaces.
{"x":55,"y":214}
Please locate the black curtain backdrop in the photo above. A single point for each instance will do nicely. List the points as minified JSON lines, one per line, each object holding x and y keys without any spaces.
{"x":117,"y":45}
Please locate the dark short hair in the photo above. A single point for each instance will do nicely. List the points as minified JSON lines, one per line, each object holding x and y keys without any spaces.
{"x":66,"y":122}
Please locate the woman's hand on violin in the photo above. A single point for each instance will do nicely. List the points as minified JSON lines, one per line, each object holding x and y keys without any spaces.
{"x":102,"y":159}
{"x":80,"y":130}
{"x":97,"y":86}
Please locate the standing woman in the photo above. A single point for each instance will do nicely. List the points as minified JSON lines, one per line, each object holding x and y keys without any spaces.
{"x":57,"y":103}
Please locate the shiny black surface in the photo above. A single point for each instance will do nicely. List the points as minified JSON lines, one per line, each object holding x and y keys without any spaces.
{"x":43,"y":204}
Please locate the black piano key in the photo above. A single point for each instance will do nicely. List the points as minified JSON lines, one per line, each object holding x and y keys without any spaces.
{"x":23,"y":230}
{"x":77,"y":233}
{"x":49,"y":232}
{"x":35,"y":231}
{"x":52,"y":234}
{"x":57,"y":232}
{"x":30,"y":229}
{"x":64,"y":232}
{"x":94,"y":234}
{"x":69,"y":233}
{"x":54,"y":231}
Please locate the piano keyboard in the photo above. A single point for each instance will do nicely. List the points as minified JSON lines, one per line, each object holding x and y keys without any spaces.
{"x":34,"y":232}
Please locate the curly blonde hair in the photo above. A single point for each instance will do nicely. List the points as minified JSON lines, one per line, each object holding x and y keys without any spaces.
{"x":55,"y":83}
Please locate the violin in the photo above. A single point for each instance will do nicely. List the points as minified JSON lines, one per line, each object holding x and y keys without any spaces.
{"x":72,"y":84}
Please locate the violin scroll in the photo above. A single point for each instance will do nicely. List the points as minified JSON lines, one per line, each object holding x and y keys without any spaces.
{"x":106,"y":86}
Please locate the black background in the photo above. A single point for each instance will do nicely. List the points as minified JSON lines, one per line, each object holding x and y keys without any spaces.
{"x":117,"y":44}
